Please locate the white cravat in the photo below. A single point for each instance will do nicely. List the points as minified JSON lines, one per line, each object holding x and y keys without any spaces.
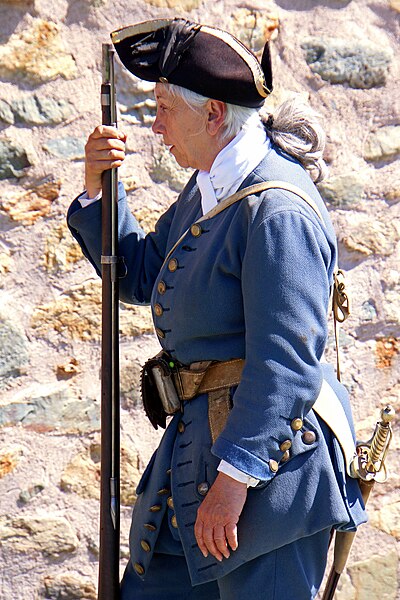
{"x":233,"y":163}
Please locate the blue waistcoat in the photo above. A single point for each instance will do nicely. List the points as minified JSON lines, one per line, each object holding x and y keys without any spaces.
{"x":255,"y":285}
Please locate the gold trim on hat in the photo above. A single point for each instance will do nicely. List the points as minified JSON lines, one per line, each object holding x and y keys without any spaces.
{"x":248,"y":57}
{"x":144,"y":27}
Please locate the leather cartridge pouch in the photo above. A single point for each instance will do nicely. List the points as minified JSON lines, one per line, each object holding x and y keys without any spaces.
{"x":159,"y":394}
{"x":166,"y":386}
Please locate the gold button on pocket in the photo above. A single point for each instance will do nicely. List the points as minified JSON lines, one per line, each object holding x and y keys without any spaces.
{"x":170,"y":502}
{"x":285,"y":445}
{"x":158,"y":310}
{"x":308,"y":437}
{"x":273,"y":465}
{"x":296,"y":424}
{"x":285,"y":457}
{"x":173,"y":265}
{"x":174,"y":522}
{"x":161,"y":287}
{"x":181,"y":427}
{"x":196,"y":230}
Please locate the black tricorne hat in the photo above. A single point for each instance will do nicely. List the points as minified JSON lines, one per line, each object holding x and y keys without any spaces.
{"x":204,"y":59}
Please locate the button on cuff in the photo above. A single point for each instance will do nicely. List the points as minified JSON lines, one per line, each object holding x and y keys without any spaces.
{"x":296,"y":424}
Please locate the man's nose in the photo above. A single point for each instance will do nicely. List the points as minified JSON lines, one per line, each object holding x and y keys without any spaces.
{"x":157,"y":126}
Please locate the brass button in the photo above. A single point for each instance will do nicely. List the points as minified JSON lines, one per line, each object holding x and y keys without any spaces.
{"x":145,"y":545}
{"x":163,"y":491}
{"x":170,"y":502}
{"x":150,"y":527}
{"x":196,"y":230}
{"x":173,"y":265}
{"x":273,"y":465}
{"x":158,"y":309}
{"x":308,"y":437}
{"x":163,"y":80}
{"x":139,"y":568}
{"x":155,"y":508}
{"x":285,"y":445}
{"x":296,"y":424}
{"x":168,"y":471}
{"x":160,"y":332}
{"x":161,"y":287}
{"x":181,"y":427}
{"x":203,"y":488}
{"x":285,"y":457}
{"x":174,"y":522}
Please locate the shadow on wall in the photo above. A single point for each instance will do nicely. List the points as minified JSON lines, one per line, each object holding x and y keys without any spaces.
{"x":10,"y":17}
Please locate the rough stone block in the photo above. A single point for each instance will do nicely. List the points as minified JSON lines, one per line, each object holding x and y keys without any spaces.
{"x":359,"y":64}
{"x":13,"y":159}
{"x":45,"y":534}
{"x":36,"y":53}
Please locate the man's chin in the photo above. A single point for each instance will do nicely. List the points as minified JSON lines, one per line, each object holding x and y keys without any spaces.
{"x":180,"y":160}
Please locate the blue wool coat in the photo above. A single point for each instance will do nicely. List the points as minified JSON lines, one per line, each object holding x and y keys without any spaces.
{"x":254,"y":285}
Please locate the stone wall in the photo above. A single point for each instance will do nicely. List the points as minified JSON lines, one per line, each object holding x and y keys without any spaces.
{"x":337,"y":53}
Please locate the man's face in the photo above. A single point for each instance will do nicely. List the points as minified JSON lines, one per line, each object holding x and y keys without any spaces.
{"x":183,"y":129}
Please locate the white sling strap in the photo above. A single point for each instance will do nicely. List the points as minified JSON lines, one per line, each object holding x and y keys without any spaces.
{"x":327,"y":405}
{"x":331,"y":411}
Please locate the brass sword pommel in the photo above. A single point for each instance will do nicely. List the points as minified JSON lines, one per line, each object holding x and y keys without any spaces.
{"x":369,"y":464}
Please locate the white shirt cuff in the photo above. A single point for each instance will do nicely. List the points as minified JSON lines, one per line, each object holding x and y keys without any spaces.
{"x":228,"y":469}
{"x":85,"y":201}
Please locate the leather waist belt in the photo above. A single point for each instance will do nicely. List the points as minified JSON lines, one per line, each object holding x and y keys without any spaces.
{"x":208,"y":376}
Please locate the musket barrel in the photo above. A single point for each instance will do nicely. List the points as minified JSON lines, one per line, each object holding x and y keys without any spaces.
{"x":110,"y":417}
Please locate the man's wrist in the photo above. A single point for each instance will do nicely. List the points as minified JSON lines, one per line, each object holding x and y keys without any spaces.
{"x":236,"y":474}
{"x":86,"y":200}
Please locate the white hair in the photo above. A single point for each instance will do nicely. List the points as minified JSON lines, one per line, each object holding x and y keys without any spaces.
{"x":294,"y":127}
{"x":235,"y":118}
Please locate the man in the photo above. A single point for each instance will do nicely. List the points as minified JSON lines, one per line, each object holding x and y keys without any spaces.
{"x":241,"y":495}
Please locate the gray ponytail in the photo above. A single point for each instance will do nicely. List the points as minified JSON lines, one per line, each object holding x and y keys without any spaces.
{"x":295,"y":128}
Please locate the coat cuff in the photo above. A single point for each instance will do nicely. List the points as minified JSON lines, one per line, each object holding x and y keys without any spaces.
{"x":231,"y":471}
{"x":243,"y":460}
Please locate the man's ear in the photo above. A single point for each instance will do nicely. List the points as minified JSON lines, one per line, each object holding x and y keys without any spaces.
{"x":216,"y":116}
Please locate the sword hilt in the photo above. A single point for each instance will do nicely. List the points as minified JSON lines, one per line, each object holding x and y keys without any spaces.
{"x":369,"y":464}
